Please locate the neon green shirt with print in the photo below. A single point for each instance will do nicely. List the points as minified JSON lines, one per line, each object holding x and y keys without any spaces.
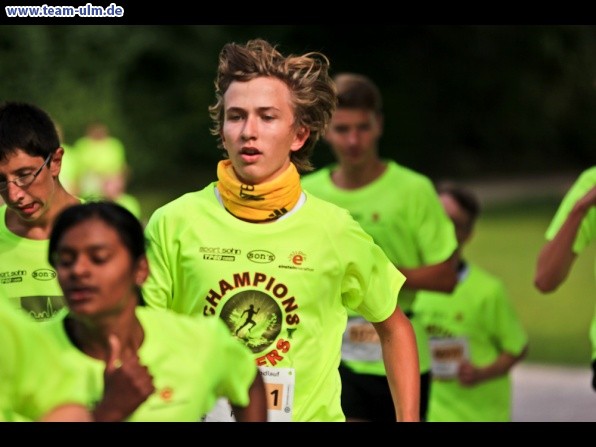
{"x":27,"y":280}
{"x":480,"y":315}
{"x":33,"y":377}
{"x":282,"y":288}
{"x":98,"y":159}
{"x":193,"y":362}
{"x":403,"y":214}
{"x":587,"y":230}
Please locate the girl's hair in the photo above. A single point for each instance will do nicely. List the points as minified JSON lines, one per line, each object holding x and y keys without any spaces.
{"x":128,"y":227}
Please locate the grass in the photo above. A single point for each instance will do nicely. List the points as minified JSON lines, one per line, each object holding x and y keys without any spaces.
{"x":506,"y":243}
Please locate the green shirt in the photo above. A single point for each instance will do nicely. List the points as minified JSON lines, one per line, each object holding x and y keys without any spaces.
{"x":587,"y":230}
{"x":192,"y":361}
{"x":33,"y":377}
{"x":479,"y":311}
{"x":27,"y":280}
{"x":299,"y":274}
{"x":403,"y":214}
{"x":97,"y":160}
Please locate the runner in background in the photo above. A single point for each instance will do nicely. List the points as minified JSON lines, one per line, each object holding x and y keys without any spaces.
{"x":408,"y":223}
{"x":475,"y":335}
{"x":103,"y":171}
{"x":30,"y":165}
{"x":572,"y":229}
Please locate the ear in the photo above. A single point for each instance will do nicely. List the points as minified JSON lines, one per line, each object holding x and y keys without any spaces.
{"x":142,"y":270}
{"x":300,"y":138}
{"x":56,"y":163}
{"x":381,"y":122}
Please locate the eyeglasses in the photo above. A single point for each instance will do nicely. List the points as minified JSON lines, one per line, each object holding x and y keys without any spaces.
{"x":24,"y":180}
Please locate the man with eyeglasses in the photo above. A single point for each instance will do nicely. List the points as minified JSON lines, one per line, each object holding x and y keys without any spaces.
{"x":30,"y":162}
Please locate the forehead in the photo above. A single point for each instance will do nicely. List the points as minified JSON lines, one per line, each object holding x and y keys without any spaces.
{"x":93,"y":231}
{"x":345,"y":116}
{"x":458,"y":214}
{"x":262,"y":92}
{"x":19,"y":159}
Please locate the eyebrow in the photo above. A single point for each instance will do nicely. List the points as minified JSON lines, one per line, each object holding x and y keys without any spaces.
{"x":259,"y":109}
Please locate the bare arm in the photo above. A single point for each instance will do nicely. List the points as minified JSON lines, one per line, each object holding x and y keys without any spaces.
{"x":68,"y":413}
{"x":400,"y":355}
{"x":438,"y":277}
{"x":471,"y":375}
{"x":256,"y":410}
{"x":556,"y":257}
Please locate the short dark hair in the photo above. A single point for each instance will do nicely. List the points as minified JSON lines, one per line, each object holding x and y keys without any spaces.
{"x":463,"y":196}
{"x":26,"y":127}
{"x":356,"y":91}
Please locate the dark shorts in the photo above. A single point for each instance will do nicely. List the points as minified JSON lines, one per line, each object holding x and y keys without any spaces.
{"x":594,"y":374}
{"x":368,"y":397}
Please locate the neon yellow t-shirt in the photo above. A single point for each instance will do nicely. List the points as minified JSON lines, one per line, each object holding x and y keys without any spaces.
{"x":69,"y":171}
{"x":480,"y":312}
{"x":98,"y":160}
{"x":131,"y":203}
{"x":33,"y":377}
{"x":27,"y":280}
{"x":193,"y":362}
{"x":299,"y":274}
{"x":408,"y":223}
{"x":587,"y":231}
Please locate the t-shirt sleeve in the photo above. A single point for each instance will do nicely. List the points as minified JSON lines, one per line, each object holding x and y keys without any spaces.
{"x":433,"y":227}
{"x":508,"y":330}
{"x":371,"y":282}
{"x":34,"y":378}
{"x":158,"y":288}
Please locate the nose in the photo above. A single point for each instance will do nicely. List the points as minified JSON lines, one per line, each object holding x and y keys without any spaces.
{"x":80,"y":266}
{"x":353,"y":136}
{"x":249,"y":131}
{"x":14,"y":193}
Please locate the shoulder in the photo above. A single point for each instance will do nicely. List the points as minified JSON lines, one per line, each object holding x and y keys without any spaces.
{"x":587,"y":177}
{"x":190,"y":202}
{"x":489,"y":281}
{"x":325,"y":206}
{"x":316,"y":177}
{"x":408,"y":176}
{"x":177,"y":322}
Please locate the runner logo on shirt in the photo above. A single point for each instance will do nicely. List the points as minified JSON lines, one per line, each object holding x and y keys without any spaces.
{"x":257,"y":317}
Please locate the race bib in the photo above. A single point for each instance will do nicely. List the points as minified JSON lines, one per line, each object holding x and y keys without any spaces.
{"x":279,"y":388}
{"x":360,"y":341}
{"x":446,"y":356}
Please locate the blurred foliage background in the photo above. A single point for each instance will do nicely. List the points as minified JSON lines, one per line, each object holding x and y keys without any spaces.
{"x":460,"y":101}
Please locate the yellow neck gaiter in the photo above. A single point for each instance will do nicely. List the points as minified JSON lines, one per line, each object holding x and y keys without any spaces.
{"x":258,"y":203}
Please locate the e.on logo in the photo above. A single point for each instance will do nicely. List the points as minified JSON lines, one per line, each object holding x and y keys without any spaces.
{"x":297,"y":257}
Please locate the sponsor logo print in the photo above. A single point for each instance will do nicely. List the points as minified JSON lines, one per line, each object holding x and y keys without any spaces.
{"x":219,"y":258}
{"x":219,"y":253}
{"x":297,"y":258}
{"x":13,"y":276}
{"x":43,"y":274}
{"x":260,"y":256}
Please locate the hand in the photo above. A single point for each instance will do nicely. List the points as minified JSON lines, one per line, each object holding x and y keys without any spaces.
{"x":127,"y":384}
{"x":468,"y":374}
